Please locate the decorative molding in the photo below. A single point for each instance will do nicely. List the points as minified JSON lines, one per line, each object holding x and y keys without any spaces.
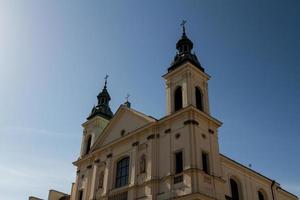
{"x":151,"y":137}
{"x":211,"y":131}
{"x":178,"y":178}
{"x":168,"y":130}
{"x":142,"y":146}
{"x":191,"y":121}
{"x":135,"y":143}
{"x":109,"y":155}
{"x":207,"y":179}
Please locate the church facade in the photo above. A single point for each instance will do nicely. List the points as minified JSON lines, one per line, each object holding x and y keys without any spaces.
{"x":132,"y":156}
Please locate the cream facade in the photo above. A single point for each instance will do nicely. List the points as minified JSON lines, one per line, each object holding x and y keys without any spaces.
{"x":130,"y":155}
{"x":175,"y":157}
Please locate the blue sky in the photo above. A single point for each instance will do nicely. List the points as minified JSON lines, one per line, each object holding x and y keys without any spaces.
{"x":55,"y":54}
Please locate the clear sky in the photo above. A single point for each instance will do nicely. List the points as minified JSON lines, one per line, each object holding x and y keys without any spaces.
{"x":55,"y":54}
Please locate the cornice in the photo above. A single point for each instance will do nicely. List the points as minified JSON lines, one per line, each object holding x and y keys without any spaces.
{"x":186,"y":66}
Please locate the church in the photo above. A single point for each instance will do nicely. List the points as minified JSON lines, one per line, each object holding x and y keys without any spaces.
{"x":128,"y":155}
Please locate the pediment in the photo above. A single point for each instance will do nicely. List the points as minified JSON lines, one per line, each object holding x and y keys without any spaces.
{"x":124,"y":121}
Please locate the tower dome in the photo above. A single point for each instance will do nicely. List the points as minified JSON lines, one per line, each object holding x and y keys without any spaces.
{"x":102,"y":109}
{"x":184,"y":54}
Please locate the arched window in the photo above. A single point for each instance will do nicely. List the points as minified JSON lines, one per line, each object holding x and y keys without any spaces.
{"x":234,"y":189}
{"x":88,"y":144}
{"x":178,"y":98}
{"x":122,"y":172}
{"x":199,"y":99}
{"x":261,"y":196}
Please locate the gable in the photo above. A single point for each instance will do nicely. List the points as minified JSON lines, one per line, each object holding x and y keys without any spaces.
{"x":125,"y":121}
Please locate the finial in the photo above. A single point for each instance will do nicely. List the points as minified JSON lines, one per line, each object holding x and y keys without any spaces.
{"x":106,"y":77}
{"x":183,"y":26}
{"x":127,"y":103}
{"x":127,"y":97}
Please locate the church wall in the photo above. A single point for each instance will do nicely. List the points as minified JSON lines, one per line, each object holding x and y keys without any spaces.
{"x":206,"y":142}
{"x":192,"y":143}
{"x":92,"y":128}
{"x":125,"y":125}
{"x":118,"y":151}
{"x":250,"y":182}
{"x":283,"y":195}
{"x":160,"y":141}
{"x":173,"y":138}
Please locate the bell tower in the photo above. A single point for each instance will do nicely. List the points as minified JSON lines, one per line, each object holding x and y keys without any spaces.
{"x":186,"y":81}
{"x":96,"y":121}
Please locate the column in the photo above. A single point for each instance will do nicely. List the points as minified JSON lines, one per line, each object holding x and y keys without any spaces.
{"x":93,"y":182}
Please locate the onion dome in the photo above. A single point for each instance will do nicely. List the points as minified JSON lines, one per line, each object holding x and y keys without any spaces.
{"x":102,"y":109}
{"x":184,"y":54}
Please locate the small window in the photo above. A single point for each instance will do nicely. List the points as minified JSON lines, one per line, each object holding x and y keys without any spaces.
{"x":199,"y":99}
{"x":178,"y":162}
{"x":178,"y":98}
{"x":205,"y":162}
{"x":88,"y":144}
{"x":122,"y":172}
{"x":234,"y":190}
{"x":80,"y":195}
{"x":261,"y":195}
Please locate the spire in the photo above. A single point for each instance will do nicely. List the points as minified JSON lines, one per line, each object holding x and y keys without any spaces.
{"x":106,"y":77}
{"x":183,"y":27}
{"x":102,"y":109}
{"x":184,"y":54}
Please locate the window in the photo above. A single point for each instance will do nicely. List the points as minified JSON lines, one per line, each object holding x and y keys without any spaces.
{"x":199,"y":102}
{"x":80,"y":195}
{"x":205,"y":162}
{"x":234,"y":190}
{"x":122,"y":172}
{"x":260,"y":196}
{"x":88,"y":144}
{"x":178,"y":162}
{"x":178,"y":98}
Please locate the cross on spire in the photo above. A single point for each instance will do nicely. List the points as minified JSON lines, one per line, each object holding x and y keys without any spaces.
{"x":106,"y":77}
{"x":183,"y":26}
{"x":127,"y":97}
